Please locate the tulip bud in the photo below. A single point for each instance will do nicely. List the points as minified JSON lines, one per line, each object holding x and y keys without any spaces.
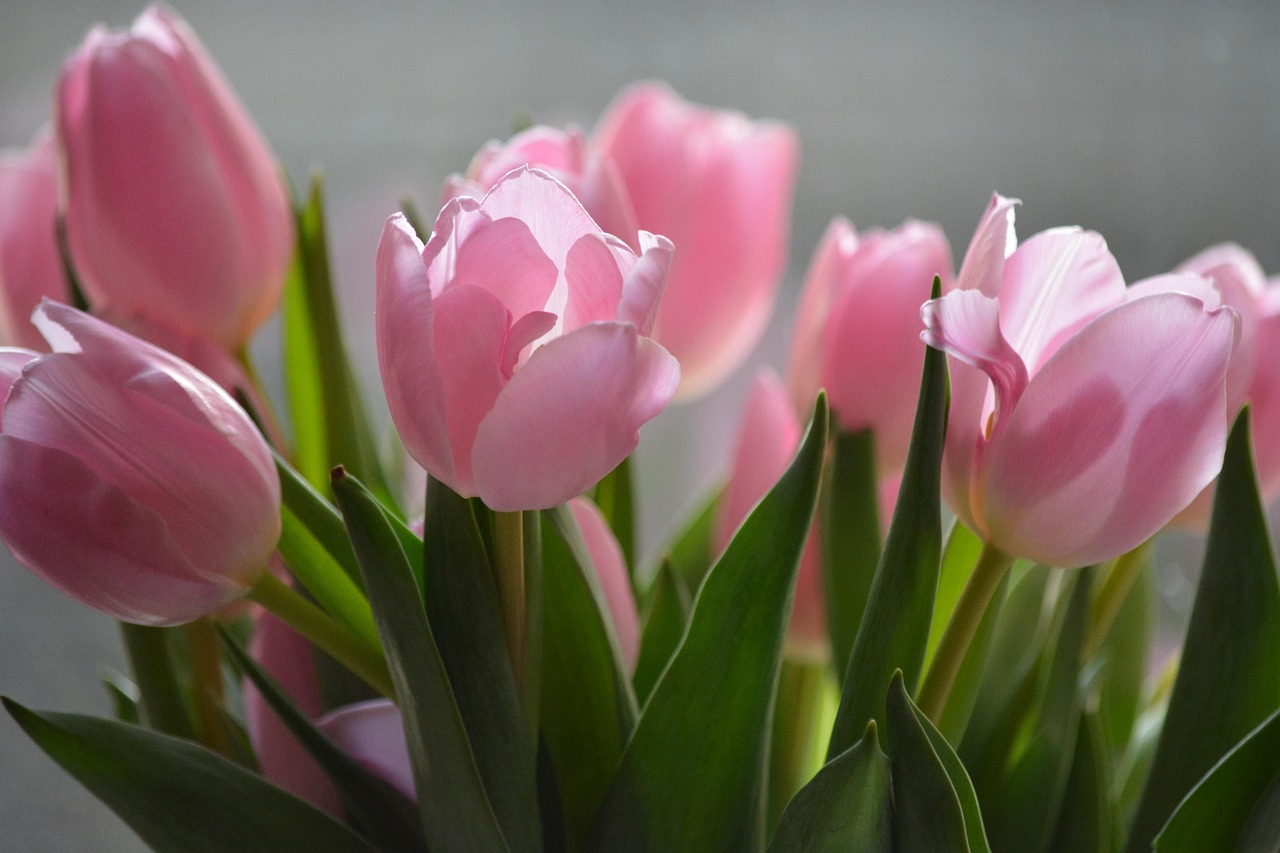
{"x":857,"y":331}
{"x":512,"y":345}
{"x":128,"y":479}
{"x":720,"y":186}
{"x":174,"y":207}
{"x":30,"y":263}
{"x":611,"y":572}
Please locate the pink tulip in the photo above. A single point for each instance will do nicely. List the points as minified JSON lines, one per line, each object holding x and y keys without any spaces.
{"x":720,"y":187}
{"x":128,"y":479}
{"x":767,"y":440}
{"x":174,"y":207}
{"x":611,"y":572}
{"x":372,"y":733}
{"x":30,"y":264}
{"x":512,"y":345}
{"x":1081,"y":421}
{"x":565,"y":155}
{"x":857,"y":332}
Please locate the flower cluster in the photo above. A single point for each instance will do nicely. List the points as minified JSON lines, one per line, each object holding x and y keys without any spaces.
{"x":509,"y":670}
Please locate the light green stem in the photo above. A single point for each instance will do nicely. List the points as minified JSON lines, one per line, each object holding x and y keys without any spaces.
{"x":325,"y":633}
{"x":793,"y":758}
{"x":205,"y":656}
{"x":508,"y":547}
{"x":1115,"y":589}
{"x":992,"y":566}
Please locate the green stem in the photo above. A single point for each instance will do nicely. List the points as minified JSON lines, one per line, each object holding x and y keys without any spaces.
{"x":508,"y":548}
{"x":162,"y":706}
{"x":1110,"y":597}
{"x":325,"y":633}
{"x":794,"y":757}
{"x":205,"y":656}
{"x":992,"y":566}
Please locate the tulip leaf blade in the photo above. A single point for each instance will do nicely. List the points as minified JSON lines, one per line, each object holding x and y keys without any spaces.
{"x":179,"y":796}
{"x":894,"y":629}
{"x":466,"y":620}
{"x":665,"y":615}
{"x":711,"y":709}
{"x":452,"y":801}
{"x":1221,"y":807}
{"x":850,"y":538}
{"x":927,"y":813}
{"x":588,"y":710}
{"x":615,"y":496}
{"x":848,"y":805}
{"x":1227,"y":680}
{"x":388,"y":819}
{"x":1085,"y":819}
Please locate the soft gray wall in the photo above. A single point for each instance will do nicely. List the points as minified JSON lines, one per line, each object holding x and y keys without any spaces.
{"x":1156,"y":123}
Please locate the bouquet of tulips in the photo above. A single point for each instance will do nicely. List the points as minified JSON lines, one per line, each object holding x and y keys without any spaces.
{"x":331,"y":650}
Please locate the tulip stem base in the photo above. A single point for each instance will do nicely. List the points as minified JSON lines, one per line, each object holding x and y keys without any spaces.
{"x":508,"y":566}
{"x":1112,"y":594}
{"x":324,"y":632}
{"x":163,"y":708}
{"x":993,"y":565}
{"x":205,"y":654}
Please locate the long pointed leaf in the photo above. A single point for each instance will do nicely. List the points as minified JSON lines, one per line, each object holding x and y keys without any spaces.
{"x":1228,"y":681}
{"x":665,"y":617}
{"x":692,"y":777}
{"x":179,"y":796}
{"x":455,"y":810}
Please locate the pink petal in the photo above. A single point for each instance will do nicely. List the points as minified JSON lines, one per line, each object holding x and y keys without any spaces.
{"x":1053,"y":284}
{"x":1189,"y":283}
{"x":554,"y":217}
{"x":595,"y":282}
{"x":504,"y":258}
{"x":373,"y":734}
{"x":1264,"y":393}
{"x":1119,"y":430}
{"x":821,"y":285}
{"x":12,"y":360}
{"x":611,"y":572}
{"x":644,"y":284}
{"x":411,"y":378}
{"x":570,"y":415}
{"x":993,"y":241}
{"x":30,"y":264}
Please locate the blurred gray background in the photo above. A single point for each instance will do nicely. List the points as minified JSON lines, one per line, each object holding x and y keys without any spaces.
{"x":1155,"y":123}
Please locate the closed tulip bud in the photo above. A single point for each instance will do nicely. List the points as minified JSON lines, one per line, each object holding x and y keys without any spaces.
{"x":768,"y":436}
{"x":1081,"y":420}
{"x":128,"y":479}
{"x":30,"y":263}
{"x":611,"y":573}
{"x":857,"y":331}
{"x":720,"y":186}
{"x":513,"y":345}
{"x":175,"y":210}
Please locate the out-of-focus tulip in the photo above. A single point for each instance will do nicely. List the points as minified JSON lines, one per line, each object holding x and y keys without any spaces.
{"x":611,"y":571}
{"x":857,"y":331}
{"x":767,"y":440}
{"x":370,"y":732}
{"x":513,"y":345}
{"x":129,"y":480}
{"x":1081,"y":421}
{"x":566,"y":156}
{"x":174,"y":207}
{"x":720,"y":186}
{"x":30,"y":265}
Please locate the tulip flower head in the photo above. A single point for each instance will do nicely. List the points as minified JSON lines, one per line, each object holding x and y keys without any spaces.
{"x":1081,"y":420}
{"x":513,"y":345}
{"x":720,"y":186}
{"x":30,"y":264}
{"x":128,"y":479}
{"x":857,"y":330}
{"x":174,"y":206}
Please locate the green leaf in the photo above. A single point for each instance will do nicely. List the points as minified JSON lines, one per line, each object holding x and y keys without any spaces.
{"x":615,"y":496}
{"x":314,"y":515}
{"x":895,"y":627}
{"x":850,"y":538}
{"x":588,"y":709}
{"x":330,"y":427}
{"x":123,"y":694}
{"x":385,"y":817}
{"x":1123,"y":661}
{"x":693,"y":551}
{"x":666,"y":614}
{"x":1217,"y":811}
{"x":179,"y":796}
{"x":466,"y":621}
{"x":1085,"y":820}
{"x":1023,"y":813}
{"x":975,"y":832}
{"x":1262,"y":833}
{"x":927,"y":815}
{"x":455,"y":809}
{"x":1228,"y":681}
{"x":848,"y":805}
{"x":692,"y":776}
{"x":160,"y":695}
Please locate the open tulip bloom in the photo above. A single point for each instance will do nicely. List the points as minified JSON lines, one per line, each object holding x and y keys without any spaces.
{"x":811,"y":662}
